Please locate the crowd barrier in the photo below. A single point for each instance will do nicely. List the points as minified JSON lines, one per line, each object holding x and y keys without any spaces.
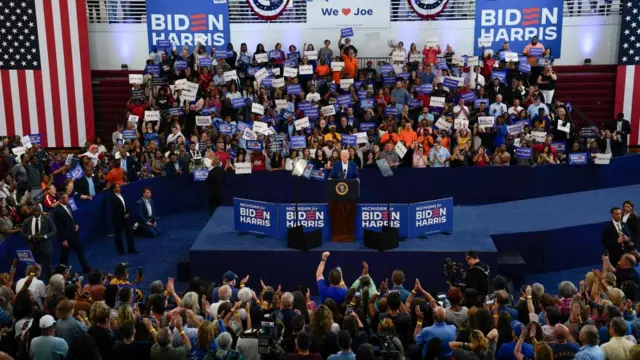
{"x":468,"y":186}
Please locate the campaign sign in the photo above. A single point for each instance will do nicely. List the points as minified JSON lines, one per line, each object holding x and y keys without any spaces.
{"x":517,"y":22}
{"x":298,"y":142}
{"x":255,"y":216}
{"x":560,"y":146}
{"x":523,"y":153}
{"x":346,"y":32}
{"x":165,"y":44}
{"x":275,"y":54}
{"x":25,"y":256}
{"x":311,"y":216}
{"x":244,"y":58}
{"x":362,"y":93}
{"x":349,"y":140}
{"x":72,"y":204}
{"x":225,"y":129}
{"x":366,"y":103}
{"x":76,"y":173}
{"x":524,"y":68}
{"x":238,"y":103}
{"x":129,"y":134}
{"x":389,"y":80}
{"x":181,"y":65}
{"x":578,"y":158}
{"x":366,"y":126}
{"x":414,"y":103}
{"x":500,"y":75}
{"x":318,"y":174}
{"x":535,"y":52}
{"x":477,"y":102}
{"x":386,"y":68}
{"x":312,"y":113}
{"x":430,"y":217}
{"x":424,"y":89}
{"x":293,"y":89}
{"x":375,"y":216}
{"x":152,"y":69}
{"x":36,"y":139}
{"x":404,"y":75}
{"x":442,"y":66}
{"x":450,"y":83}
{"x":254,"y":145}
{"x":390,"y":110}
{"x":468,"y":97}
{"x":200,"y":175}
{"x":305,"y":105}
{"x":344,"y":100}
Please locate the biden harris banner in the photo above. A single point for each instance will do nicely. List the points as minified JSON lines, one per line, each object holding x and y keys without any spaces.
{"x":375,"y":216}
{"x":187,"y":22}
{"x":311,"y":216}
{"x":518,"y":21}
{"x":431,"y":217}
{"x":255,"y":217}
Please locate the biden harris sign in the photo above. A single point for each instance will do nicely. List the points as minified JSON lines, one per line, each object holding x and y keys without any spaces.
{"x":186,"y":22}
{"x":255,"y":217}
{"x":431,"y":217}
{"x":375,"y":216}
{"x":518,"y":21}
{"x":311,"y":216}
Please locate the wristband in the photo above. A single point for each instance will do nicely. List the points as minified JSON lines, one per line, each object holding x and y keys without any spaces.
{"x":241,"y":285}
{"x":413,"y":292}
{"x":153,"y":331}
{"x":182,"y":333}
{"x":529,"y":297}
{"x":85,"y":319}
{"x":323,"y":260}
{"x":419,"y":323}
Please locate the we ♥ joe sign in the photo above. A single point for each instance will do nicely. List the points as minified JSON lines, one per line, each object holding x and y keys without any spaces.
{"x":347,"y":13}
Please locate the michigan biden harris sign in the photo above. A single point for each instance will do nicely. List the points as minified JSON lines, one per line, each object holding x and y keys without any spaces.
{"x":255,"y":216}
{"x":184,"y":22}
{"x":518,"y":21}
{"x":430,"y":217}
{"x":311,"y":216}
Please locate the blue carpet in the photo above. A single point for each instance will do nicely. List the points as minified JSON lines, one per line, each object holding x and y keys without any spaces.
{"x":158,"y":256}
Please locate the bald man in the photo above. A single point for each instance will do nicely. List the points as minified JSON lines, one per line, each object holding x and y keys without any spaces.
{"x":439,"y":329}
{"x":563,"y":349}
{"x":344,"y":169}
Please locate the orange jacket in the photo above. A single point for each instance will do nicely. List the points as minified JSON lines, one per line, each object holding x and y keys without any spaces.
{"x":408,"y":136}
{"x":350,"y":65}
{"x":323,"y":70}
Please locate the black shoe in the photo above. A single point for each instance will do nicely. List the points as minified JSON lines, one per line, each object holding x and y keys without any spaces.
{"x":134,"y":252}
{"x":121,"y":253}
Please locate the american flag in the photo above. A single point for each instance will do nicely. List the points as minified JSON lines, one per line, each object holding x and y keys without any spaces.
{"x":259,"y":214}
{"x":628,"y":77}
{"x":45,"y":72}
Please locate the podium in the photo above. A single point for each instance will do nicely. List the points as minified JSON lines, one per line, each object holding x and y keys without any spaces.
{"x":342,"y":196}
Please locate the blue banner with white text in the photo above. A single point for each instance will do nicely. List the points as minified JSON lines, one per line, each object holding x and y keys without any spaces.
{"x":311,"y":216}
{"x":431,"y":217}
{"x":375,"y":216}
{"x":518,"y":21}
{"x":255,"y":217}
{"x":186,"y":22}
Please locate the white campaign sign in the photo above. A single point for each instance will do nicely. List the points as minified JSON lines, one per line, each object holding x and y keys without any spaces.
{"x":261,"y":75}
{"x":484,"y":42}
{"x":17,"y":151}
{"x":281,"y":104}
{"x":134,"y":118}
{"x":511,"y":57}
{"x":437,"y":101}
{"x":260,"y":127}
{"x":397,"y":56}
{"x":290,"y":72}
{"x":26,"y":141}
{"x":337,"y":65}
{"x":203,"y":121}
{"x":443,"y":124}
{"x":460,"y":124}
{"x":69,"y":159}
{"x":152,"y":115}
{"x":257,"y":108}
{"x":539,"y":136}
{"x":135,"y":78}
{"x":305,"y":70}
{"x":189,"y":95}
{"x":262,"y":58}
{"x":416,"y":57}
{"x":276,"y":71}
{"x":603,"y":159}
{"x":328,"y":110}
{"x":341,"y":14}
{"x":302,"y":123}
{"x":400,"y":150}
{"x":485,"y":121}
{"x":472,"y":61}
{"x":311,"y":55}
{"x":362,"y":138}
{"x":431,"y":42}
{"x":248,"y":134}
{"x":566,"y":128}
{"x":230,"y":75}
{"x":180,"y":84}
{"x":243,"y":168}
{"x":277,"y":82}
{"x":345,"y":83}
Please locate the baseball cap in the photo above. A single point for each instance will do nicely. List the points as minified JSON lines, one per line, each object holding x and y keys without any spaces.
{"x":229,"y":275}
{"x":121,"y":268}
{"x":369,"y":62}
{"x":46,"y":321}
{"x":516,"y":327}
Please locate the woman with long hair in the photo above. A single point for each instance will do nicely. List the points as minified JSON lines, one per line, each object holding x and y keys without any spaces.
{"x":323,"y":340}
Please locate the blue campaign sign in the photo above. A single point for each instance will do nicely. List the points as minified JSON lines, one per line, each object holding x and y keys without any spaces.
{"x":424,"y":88}
{"x":517,"y":21}
{"x":293,"y":89}
{"x":524,"y":67}
{"x":253,"y":70}
{"x":244,"y":58}
{"x":442,"y":66}
{"x":500,"y":75}
{"x":274,"y":54}
{"x":187,"y":22}
{"x":386,"y":68}
{"x":560,"y":146}
{"x":305,"y":105}
{"x":254,"y":145}
{"x":450,"y":83}
{"x":181,"y":65}
{"x":578,"y":158}
{"x":238,"y":103}
{"x":477,"y":102}
{"x":523,"y":153}
{"x":469,"y":97}
{"x":232,"y":153}
{"x":318,"y":174}
{"x":72,"y":204}
{"x":390,"y":110}
{"x":241,"y":126}
{"x":225,"y":129}
{"x":205,"y":61}
{"x":431,"y":217}
{"x":346,"y":32}
{"x":344,"y":100}
{"x":311,"y":216}
{"x":76,"y":173}
{"x":349,"y":140}
{"x":268,"y":82}
{"x":290,"y":63}
{"x":366,"y":126}
{"x":25,"y":256}
{"x":535,"y":52}
{"x":366,"y":103}
{"x":298,"y":142}
{"x":129,"y":134}
{"x":255,"y":216}
{"x":35,"y":139}
{"x":152,"y":69}
{"x":375,"y":216}
{"x":200,"y":175}
{"x":163,"y":44}
{"x":312,"y":113}
{"x":362,"y":93}
{"x":404,"y":75}
{"x":294,"y":56}
{"x":389,"y":80}
{"x":414,"y":103}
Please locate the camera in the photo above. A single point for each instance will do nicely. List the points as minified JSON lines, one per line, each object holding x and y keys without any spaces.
{"x":270,"y":339}
{"x":453,"y":271}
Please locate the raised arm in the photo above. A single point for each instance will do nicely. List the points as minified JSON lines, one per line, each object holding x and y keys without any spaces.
{"x":320,"y":269}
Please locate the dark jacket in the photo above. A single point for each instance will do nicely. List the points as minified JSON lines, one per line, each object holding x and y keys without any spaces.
{"x":478,"y":278}
{"x":609,"y":239}
{"x":170,"y":168}
{"x":65,"y":224}
{"x":118,"y":210}
{"x":81,"y":186}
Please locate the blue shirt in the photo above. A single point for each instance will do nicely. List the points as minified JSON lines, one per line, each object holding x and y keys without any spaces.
{"x":92,"y":187}
{"x":496,"y":109}
{"x":510,"y":311}
{"x":342,"y":356}
{"x":589,"y":353}
{"x":443,"y":153}
{"x":404,"y":293}
{"x":566,"y":351}
{"x":506,"y":351}
{"x":444,"y":332}
{"x":338,"y":294}
{"x":532,"y":110}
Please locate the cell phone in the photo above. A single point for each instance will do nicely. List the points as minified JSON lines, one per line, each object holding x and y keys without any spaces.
{"x":140,"y":273}
{"x":349,"y":309}
{"x":442,"y":296}
{"x":489,"y":302}
{"x":338,"y":268}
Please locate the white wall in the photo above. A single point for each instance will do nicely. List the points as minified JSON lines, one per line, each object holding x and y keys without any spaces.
{"x":594,"y":37}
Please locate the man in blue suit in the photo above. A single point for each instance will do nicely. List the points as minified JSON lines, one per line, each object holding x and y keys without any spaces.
{"x":344,"y":169}
{"x":146,"y":215}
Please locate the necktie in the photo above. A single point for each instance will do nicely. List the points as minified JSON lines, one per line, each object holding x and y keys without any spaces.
{"x":38,"y":225}
{"x":70,"y":213}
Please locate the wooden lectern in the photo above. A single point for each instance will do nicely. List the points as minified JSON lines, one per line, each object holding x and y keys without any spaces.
{"x":342,"y":195}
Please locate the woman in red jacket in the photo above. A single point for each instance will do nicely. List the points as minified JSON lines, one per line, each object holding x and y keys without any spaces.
{"x":49,"y":201}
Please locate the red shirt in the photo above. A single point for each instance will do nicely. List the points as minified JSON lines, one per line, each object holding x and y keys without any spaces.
{"x":487,"y":68}
{"x":137,"y":110}
{"x":223,"y":156}
{"x":540,"y":147}
{"x":49,"y":200}
{"x":259,"y":162}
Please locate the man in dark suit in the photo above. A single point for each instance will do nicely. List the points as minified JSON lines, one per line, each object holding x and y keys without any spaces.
{"x":622,"y":128}
{"x":615,"y":237}
{"x":174,"y":167}
{"x":146,"y":215}
{"x":133,"y":167}
{"x":67,"y":233}
{"x":88,"y":185}
{"x":493,"y":89}
{"x":215,"y":184}
{"x":39,"y":229}
{"x":344,"y":169}
{"x":120,"y":219}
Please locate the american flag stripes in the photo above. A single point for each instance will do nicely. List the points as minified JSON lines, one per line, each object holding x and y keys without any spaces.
{"x":45,"y":74}
{"x":628,"y":76}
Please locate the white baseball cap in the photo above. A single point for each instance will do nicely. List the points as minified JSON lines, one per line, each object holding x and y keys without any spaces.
{"x":46,"y":321}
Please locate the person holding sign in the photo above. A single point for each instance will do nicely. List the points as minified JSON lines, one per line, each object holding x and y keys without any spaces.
{"x":120,"y":221}
{"x":350,"y":63}
{"x":39,"y":229}
{"x":547,"y":83}
{"x":67,"y":233}
{"x":344,"y":169}
{"x":431,"y":54}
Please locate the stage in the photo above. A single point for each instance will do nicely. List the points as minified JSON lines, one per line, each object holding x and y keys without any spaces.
{"x":526,"y":236}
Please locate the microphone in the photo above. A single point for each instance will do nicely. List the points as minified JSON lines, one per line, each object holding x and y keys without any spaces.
{"x":344,"y":173}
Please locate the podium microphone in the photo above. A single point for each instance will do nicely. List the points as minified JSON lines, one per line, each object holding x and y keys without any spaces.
{"x":344,"y":173}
